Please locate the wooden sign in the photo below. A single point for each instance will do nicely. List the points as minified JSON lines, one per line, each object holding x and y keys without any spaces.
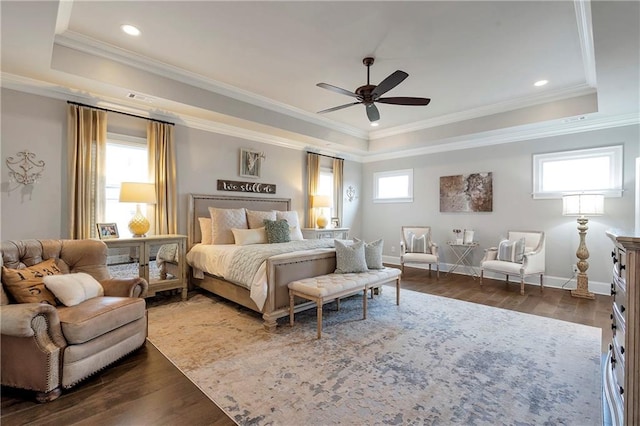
{"x":232,"y":185}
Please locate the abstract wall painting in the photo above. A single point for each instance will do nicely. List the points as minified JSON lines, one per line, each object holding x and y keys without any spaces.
{"x":466,"y":193}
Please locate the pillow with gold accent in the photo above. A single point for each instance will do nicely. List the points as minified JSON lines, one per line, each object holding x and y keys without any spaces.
{"x":27,"y":285}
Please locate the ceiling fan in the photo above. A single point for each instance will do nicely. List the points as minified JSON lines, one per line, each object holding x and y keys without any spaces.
{"x":369,"y":93}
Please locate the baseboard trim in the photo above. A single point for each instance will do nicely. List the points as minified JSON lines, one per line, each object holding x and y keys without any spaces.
{"x":565,"y":283}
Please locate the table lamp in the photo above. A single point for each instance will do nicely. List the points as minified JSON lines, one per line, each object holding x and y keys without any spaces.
{"x":140,"y":193}
{"x":582,"y":205}
{"x":321,"y":202}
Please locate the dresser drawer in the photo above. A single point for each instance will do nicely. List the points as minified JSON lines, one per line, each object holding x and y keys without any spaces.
{"x":617,"y":366}
{"x":618,"y":324}
{"x":612,"y":391}
{"x":619,"y":258}
{"x":619,"y":293}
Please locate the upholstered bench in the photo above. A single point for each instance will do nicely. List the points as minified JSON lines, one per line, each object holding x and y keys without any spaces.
{"x":326,"y":288}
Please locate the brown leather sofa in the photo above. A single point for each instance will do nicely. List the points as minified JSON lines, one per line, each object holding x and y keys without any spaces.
{"x":45,"y":348}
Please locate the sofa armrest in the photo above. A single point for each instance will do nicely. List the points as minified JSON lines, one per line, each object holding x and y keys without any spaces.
{"x":17,"y":320}
{"x":132,"y":287}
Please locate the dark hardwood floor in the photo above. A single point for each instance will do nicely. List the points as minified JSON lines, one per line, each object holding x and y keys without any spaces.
{"x":147,"y":389}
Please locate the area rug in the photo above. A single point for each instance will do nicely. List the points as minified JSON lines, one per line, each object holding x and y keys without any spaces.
{"x":431,"y":360}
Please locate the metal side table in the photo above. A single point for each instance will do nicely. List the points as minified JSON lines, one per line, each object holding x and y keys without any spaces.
{"x":463,"y":251}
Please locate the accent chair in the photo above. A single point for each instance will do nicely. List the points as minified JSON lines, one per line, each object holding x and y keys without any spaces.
{"x":417,"y":248}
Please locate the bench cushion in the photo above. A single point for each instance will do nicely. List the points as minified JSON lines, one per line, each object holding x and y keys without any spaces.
{"x":327,"y":285}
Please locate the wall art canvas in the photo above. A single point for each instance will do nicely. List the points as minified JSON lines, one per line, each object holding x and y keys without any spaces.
{"x":467,"y":193}
{"x":250,"y":163}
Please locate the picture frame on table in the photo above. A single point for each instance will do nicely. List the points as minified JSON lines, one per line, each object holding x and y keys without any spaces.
{"x":335,"y":222}
{"x":107,"y":231}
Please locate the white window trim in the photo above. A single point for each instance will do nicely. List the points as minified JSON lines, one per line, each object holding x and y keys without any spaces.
{"x":614,"y":152}
{"x":393,"y":173}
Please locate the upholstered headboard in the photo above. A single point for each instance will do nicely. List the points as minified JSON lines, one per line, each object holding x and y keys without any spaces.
{"x":199,"y":207}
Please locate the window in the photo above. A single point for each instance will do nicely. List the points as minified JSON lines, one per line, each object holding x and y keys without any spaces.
{"x":325,"y":184}
{"x":596,"y":170}
{"x":393,"y":187}
{"x":126,"y":162}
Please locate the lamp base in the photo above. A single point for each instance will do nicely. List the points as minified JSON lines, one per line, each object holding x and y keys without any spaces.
{"x":139,"y":225}
{"x":322,"y":222}
{"x":582,"y":290}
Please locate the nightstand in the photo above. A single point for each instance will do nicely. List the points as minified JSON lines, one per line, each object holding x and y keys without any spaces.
{"x":317,"y":233}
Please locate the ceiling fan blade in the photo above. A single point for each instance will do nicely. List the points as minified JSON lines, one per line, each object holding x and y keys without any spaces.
{"x":337,"y":89}
{"x":389,"y":83}
{"x":338,"y":107}
{"x":403,"y":100}
{"x":373,"y":113}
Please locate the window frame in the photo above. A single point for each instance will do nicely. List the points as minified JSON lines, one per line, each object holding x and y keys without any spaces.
{"x":614,"y":189}
{"x":393,"y":173}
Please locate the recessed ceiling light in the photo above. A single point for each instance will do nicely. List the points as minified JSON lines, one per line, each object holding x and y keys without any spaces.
{"x":374,"y":124}
{"x":540,"y":83}
{"x":130,"y":29}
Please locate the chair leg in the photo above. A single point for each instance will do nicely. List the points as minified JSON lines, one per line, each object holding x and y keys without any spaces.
{"x":43,"y":397}
{"x":522,"y":286}
{"x":429,"y":270}
{"x":437,"y":271}
{"x":291,"y":314}
{"x":319,"y":303}
{"x":541,"y":283}
{"x":364,"y":304}
{"x":481,"y":276}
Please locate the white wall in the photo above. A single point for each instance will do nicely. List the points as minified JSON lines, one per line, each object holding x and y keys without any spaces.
{"x":513,"y":206}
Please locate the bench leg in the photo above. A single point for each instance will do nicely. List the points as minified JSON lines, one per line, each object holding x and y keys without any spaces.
{"x":319,"y":303}
{"x":364,"y":303}
{"x":398,"y":291}
{"x":338,"y":303}
{"x":291,"y":308}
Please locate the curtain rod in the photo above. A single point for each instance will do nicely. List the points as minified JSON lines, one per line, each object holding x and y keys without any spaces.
{"x":120,"y":112}
{"x":325,"y":155}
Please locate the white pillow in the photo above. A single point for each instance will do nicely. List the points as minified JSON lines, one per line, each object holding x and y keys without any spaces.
{"x":245,"y":237}
{"x":205,"y":230}
{"x":256,"y":218}
{"x":295,"y":234}
{"x":73,"y":289}
{"x":223,"y":220}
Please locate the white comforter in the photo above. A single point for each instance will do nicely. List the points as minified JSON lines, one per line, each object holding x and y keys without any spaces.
{"x":245,"y":265}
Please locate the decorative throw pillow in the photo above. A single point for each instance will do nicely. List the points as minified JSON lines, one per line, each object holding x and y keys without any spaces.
{"x":277,"y":231}
{"x":511,"y":251}
{"x":245,"y":237}
{"x":223,"y":220}
{"x":294,"y":224}
{"x":350,"y":257}
{"x":373,"y":253}
{"x":205,"y":230}
{"x":73,"y":289}
{"x":256,"y":218}
{"x":27,"y":286}
{"x":417,"y":243}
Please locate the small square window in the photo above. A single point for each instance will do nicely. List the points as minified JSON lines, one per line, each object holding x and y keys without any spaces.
{"x":393,"y":187}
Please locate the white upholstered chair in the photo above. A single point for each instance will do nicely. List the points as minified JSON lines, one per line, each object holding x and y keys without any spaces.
{"x":418,"y":249}
{"x":522,"y":254}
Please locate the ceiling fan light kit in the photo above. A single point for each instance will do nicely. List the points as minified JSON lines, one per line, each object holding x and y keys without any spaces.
{"x":370,"y":93}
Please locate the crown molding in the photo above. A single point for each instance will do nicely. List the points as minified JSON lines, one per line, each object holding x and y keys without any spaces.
{"x":94,"y":47}
{"x":510,"y":135}
{"x":585,"y":33}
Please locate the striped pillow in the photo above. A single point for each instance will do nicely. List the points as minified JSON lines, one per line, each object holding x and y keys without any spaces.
{"x":417,"y":243}
{"x":511,"y":251}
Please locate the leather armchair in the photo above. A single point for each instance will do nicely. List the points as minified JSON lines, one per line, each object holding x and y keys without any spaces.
{"x":417,"y":248}
{"x":46,"y":348}
{"x":532,"y":263}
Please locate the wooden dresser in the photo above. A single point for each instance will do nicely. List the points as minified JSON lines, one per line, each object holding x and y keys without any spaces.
{"x":621,"y":379}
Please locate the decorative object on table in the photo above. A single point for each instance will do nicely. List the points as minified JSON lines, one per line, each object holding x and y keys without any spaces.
{"x":24,"y":168}
{"x":107,"y":230}
{"x":458,"y":233}
{"x":335,"y":222}
{"x":140,"y":193}
{"x":251,"y":162}
{"x":255,"y":187}
{"x":582,"y":205}
{"x":467,"y":193}
{"x":351,"y":193}
{"x":467,"y":236}
{"x":321,"y":202}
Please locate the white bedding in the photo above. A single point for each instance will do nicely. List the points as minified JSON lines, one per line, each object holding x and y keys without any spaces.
{"x":219,"y":260}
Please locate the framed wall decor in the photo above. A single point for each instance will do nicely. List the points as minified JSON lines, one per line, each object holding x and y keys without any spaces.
{"x":467,"y":193}
{"x":107,"y":230}
{"x":250,"y":163}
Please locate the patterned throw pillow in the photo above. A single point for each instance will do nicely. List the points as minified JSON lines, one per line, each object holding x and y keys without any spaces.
{"x":511,"y":251}
{"x":256,"y":218}
{"x":350,"y":258}
{"x":373,"y":253}
{"x":277,"y":231}
{"x":27,"y":285}
{"x":223,"y":220}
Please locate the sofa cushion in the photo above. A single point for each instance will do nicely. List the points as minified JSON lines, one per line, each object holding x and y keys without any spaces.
{"x":97,"y":316}
{"x":72,"y":289}
{"x":26,"y":285}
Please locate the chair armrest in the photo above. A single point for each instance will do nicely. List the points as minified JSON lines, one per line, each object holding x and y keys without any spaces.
{"x":434,"y":249}
{"x":18,"y":320}
{"x":533,"y":261}
{"x":402,"y":248}
{"x":132,"y":287}
{"x":490,"y":254}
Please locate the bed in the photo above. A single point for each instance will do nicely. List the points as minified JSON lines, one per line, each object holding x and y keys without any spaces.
{"x":280,"y":269}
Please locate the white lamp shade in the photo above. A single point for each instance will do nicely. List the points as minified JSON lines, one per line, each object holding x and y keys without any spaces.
{"x":583,"y":205}
{"x":321,"y":201}
{"x":138,"y":192}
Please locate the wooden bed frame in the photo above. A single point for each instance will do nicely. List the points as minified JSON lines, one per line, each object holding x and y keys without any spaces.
{"x":281,"y":269}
